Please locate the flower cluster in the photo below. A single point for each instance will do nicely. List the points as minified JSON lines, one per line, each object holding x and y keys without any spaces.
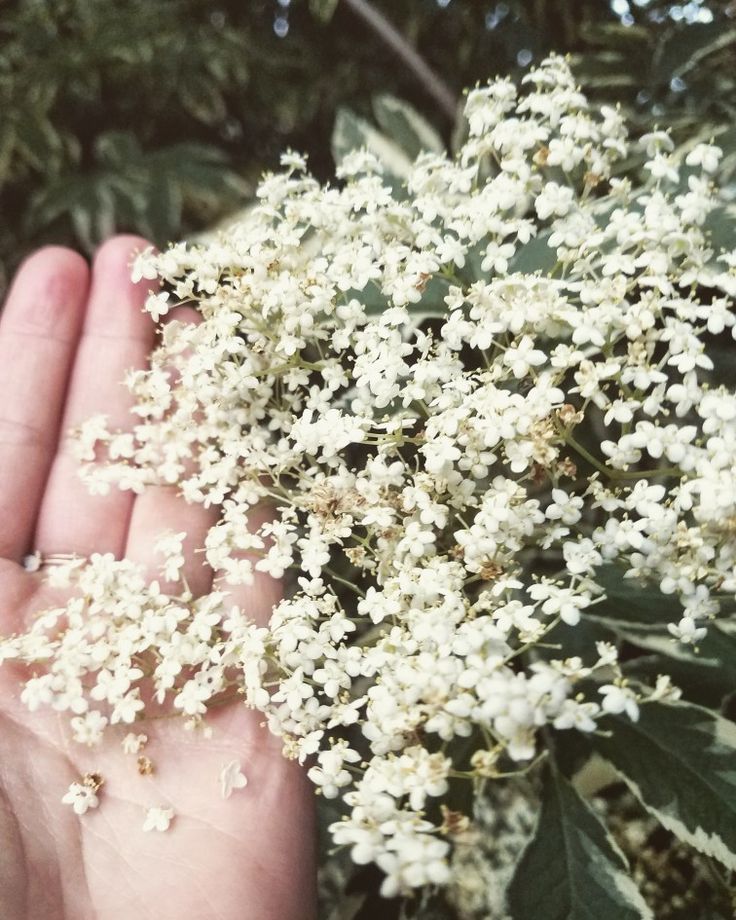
{"x":460,"y":402}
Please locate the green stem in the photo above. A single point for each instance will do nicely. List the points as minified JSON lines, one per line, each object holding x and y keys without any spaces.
{"x":344,"y":581}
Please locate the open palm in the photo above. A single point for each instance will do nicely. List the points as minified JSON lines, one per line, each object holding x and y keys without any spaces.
{"x":66,"y":340}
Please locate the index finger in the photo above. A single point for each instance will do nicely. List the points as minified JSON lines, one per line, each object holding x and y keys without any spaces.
{"x":39,"y":332}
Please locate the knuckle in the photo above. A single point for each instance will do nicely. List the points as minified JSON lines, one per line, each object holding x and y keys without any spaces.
{"x":14,"y":433}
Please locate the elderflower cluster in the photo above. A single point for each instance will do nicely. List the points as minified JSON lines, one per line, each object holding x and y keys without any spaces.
{"x":452,"y":445}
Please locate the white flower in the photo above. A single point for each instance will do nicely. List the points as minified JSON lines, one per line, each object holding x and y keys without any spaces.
{"x":554,"y":200}
{"x":144,"y":266}
{"x":89,"y":728}
{"x":566,"y":603}
{"x":158,"y":819}
{"x":581,"y":557}
{"x":170,"y":546}
{"x":617,"y":699}
{"x":134,"y":744}
{"x":412,"y":861}
{"x":81,"y":797}
{"x":564,"y":507}
{"x":231,"y":778}
{"x":32,"y":562}
{"x":664,"y":689}
{"x":607,"y":654}
{"x":706,"y":156}
{"x":330,"y":774}
{"x":158,"y":305}
{"x":522,"y":357}
{"x":687,"y":630}
{"x":656,"y":141}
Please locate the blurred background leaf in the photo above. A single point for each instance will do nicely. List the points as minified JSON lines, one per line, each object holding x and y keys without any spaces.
{"x":158,"y":118}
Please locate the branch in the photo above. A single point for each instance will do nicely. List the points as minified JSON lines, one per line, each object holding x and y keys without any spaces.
{"x":390,"y":36}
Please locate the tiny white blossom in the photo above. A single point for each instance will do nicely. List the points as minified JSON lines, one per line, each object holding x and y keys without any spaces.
{"x":158,"y":819}
{"x":687,"y":630}
{"x":81,"y":797}
{"x":231,"y":779}
{"x":134,"y":744}
{"x":617,"y":699}
{"x":705,"y":155}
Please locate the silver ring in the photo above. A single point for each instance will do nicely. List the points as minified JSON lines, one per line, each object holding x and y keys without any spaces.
{"x":38,"y":561}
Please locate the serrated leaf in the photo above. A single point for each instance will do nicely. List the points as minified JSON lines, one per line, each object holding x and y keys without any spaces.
{"x":572,"y":868}
{"x":705,"y":682}
{"x":639,"y":612}
{"x":353,"y":133}
{"x":654,"y":637}
{"x":629,"y":599}
{"x":578,"y":640}
{"x":405,"y":126}
{"x":680,"y":760}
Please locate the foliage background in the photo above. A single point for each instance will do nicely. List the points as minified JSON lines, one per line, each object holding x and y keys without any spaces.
{"x":159,"y":117}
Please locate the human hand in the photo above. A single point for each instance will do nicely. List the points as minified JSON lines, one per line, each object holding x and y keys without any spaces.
{"x":66,"y":338}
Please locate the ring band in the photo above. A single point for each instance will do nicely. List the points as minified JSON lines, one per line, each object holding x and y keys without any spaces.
{"x":38,"y":561}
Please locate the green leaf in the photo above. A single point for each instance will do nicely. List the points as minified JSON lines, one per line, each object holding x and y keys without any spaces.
{"x":200,"y":169}
{"x":404,"y":125}
{"x":93,"y":214}
{"x":631,"y":600}
{"x":724,"y":40}
{"x":117,"y":150}
{"x":657,"y":639}
{"x":572,"y":868}
{"x":578,"y":640}
{"x":680,"y":760}
{"x":613,"y":35}
{"x":203,"y":100}
{"x":89,"y":201}
{"x":163,"y":210}
{"x":39,"y":143}
{"x":323,"y":10}
{"x":705,"y":682}
{"x":535,"y":256}
{"x":7,"y":147}
{"x":431,"y":304}
{"x":353,"y":133}
{"x":639,"y":612}
{"x":719,"y":225}
{"x":349,"y":907}
{"x":682,"y":47}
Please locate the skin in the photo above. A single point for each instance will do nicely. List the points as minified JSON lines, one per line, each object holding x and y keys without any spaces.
{"x":67,"y":335}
